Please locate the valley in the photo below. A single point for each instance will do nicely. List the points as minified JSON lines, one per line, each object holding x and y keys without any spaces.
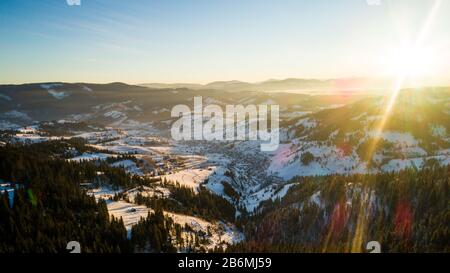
{"x":321,"y":136}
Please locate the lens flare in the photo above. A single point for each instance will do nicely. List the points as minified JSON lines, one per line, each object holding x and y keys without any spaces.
{"x":403,"y":73}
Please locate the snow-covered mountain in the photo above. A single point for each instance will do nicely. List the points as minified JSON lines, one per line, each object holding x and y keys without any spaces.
{"x":126,"y":128}
{"x":321,"y":135}
{"x":360,"y":137}
{"x":117,"y":103}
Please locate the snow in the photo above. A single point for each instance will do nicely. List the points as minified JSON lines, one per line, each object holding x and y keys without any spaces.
{"x":6,"y":125}
{"x":249,"y":100}
{"x":252,"y":201}
{"x":51,"y":85}
{"x":16,"y":114}
{"x":282,"y":156}
{"x":315,"y":199}
{"x":215,"y":182}
{"x":295,"y":114}
{"x":282,"y":192}
{"x":191,"y":178}
{"x":334,"y":134}
{"x":129,"y":166}
{"x":413,"y":151}
{"x":130,"y":213}
{"x":438,"y":131}
{"x":145,"y":191}
{"x":5,"y":97}
{"x":160,"y":149}
{"x":307,"y":123}
{"x":124,"y":149}
{"x":329,"y":159}
{"x":79,"y":117}
{"x":396,"y":137}
{"x":92,"y":156}
{"x":444,"y":152}
{"x":216,"y":187}
{"x":331,"y":106}
{"x":30,"y":135}
{"x":268,"y":102}
{"x":160,"y":111}
{"x":31,"y":138}
{"x":406,"y":138}
{"x":396,"y":165}
{"x":28,"y":130}
{"x":115,"y":114}
{"x":94,"y":137}
{"x":221,"y":232}
{"x":359,"y":116}
{"x":286,"y":161}
{"x":372,"y":118}
{"x":57,"y":95}
{"x":104,"y":193}
{"x":209,"y":101}
{"x":87,"y":88}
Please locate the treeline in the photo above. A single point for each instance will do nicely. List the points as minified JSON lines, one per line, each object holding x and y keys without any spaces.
{"x":152,"y":234}
{"x":50,"y":209}
{"x":51,"y":206}
{"x":23,"y":163}
{"x":406,"y":212}
{"x":56,"y":128}
{"x":185,"y":200}
{"x":158,"y":233}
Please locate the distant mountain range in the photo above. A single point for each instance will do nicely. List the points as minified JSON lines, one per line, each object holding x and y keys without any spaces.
{"x":118,"y":102}
{"x":286,"y":85}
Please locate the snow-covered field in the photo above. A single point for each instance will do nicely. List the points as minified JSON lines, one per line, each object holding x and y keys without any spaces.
{"x":130,"y":213}
{"x":396,"y":165}
{"x":253,"y":175}
{"x":59,"y":95}
{"x":14,"y":114}
{"x":218,"y":233}
{"x":129,"y":166}
{"x":145,"y":191}
{"x":287,"y":163}
{"x":191,"y":178}
{"x":7,"y":125}
{"x":104,"y":193}
{"x":32,"y":138}
{"x":91,"y":156}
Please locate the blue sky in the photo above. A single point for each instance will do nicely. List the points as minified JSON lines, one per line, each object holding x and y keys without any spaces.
{"x":139,"y":41}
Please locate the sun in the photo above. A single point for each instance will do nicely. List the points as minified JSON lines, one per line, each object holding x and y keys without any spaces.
{"x":411,"y":61}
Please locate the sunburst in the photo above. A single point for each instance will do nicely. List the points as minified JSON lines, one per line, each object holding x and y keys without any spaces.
{"x":411,"y":61}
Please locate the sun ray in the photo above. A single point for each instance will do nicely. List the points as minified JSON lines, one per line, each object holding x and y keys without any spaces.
{"x":402,"y":77}
{"x":396,"y":88}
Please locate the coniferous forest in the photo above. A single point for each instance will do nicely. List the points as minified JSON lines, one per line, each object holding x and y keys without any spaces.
{"x":405,"y":211}
{"x":50,"y":208}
